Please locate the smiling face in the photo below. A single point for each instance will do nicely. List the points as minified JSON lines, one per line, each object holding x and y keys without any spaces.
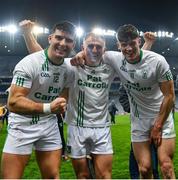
{"x":129,"y":42}
{"x":61,"y":44}
{"x":93,"y":48}
{"x":131,"y":49}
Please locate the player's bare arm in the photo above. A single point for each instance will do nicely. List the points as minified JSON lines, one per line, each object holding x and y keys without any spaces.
{"x":167,"y":89}
{"x":30,"y":40}
{"x":19,"y":103}
{"x":149,"y":38}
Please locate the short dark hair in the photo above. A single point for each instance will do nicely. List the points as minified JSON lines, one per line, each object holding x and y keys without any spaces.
{"x":65,"y":26}
{"x":127,"y":32}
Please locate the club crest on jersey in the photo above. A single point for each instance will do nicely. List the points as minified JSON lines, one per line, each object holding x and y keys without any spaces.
{"x":145,"y":74}
{"x":132,"y":75}
{"x":123,"y":67}
{"x":106,"y":71}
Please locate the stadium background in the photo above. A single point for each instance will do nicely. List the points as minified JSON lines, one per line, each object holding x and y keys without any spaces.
{"x":13,"y":49}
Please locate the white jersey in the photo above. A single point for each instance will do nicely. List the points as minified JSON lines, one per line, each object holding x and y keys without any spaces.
{"x":45,"y":81}
{"x":88,"y":98}
{"x":141,"y":80}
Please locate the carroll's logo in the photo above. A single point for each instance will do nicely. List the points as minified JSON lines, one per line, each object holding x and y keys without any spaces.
{"x":44,"y":74}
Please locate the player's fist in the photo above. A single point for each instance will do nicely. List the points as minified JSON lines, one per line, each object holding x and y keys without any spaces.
{"x":26,"y":26}
{"x":58,"y":105}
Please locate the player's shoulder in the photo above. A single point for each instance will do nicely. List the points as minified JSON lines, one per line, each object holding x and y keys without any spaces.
{"x":32,"y":59}
{"x":150,"y":54}
{"x":112,"y":54}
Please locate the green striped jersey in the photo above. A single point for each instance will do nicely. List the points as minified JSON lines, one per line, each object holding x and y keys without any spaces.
{"x":142,"y":80}
{"x":45,"y":81}
{"x":88,"y":96}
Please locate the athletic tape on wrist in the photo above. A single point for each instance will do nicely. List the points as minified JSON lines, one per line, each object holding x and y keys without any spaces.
{"x":46,"y":108}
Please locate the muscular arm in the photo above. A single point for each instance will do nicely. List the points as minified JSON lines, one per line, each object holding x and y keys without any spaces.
{"x":30,"y":41}
{"x":149,"y":38}
{"x":18,"y":102}
{"x":167,"y":89}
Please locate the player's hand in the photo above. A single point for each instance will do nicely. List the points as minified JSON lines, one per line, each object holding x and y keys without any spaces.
{"x":149,"y":37}
{"x":156,"y":135}
{"x":26,"y":26}
{"x":58,"y":105}
{"x":78,"y":60}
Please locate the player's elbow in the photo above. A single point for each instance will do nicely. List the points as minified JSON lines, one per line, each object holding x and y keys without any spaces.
{"x":171,"y":98}
{"x":12,"y":104}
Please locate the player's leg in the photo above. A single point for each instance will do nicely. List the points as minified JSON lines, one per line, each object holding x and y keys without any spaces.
{"x":143,"y":156}
{"x":102,"y":152}
{"x":48,"y":150}
{"x":103,"y":165}
{"x":49,"y":163}
{"x":81,"y":168}
{"x":16,"y":153}
{"x":13,"y":165}
{"x":165,"y":155}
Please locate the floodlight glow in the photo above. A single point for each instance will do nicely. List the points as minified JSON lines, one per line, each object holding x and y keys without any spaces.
{"x":37,"y":30}
{"x":164,"y":34}
{"x":141,"y":33}
{"x":79,"y":32}
{"x":104,"y":32}
{"x":11,"y":29}
{"x":2,"y":29}
{"x":98,"y":31}
{"x":46,"y":30}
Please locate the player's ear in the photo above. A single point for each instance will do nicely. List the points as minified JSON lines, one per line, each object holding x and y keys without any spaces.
{"x":49,"y":38}
{"x":118,"y":45}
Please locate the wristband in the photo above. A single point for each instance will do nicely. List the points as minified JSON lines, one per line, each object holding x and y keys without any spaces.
{"x":46,"y":108}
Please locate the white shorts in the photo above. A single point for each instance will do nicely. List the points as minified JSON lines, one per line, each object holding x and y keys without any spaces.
{"x":140,"y":128}
{"x":82,"y":141}
{"x":22,"y":137}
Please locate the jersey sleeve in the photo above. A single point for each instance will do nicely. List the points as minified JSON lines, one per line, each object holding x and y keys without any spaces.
{"x":22,"y":74}
{"x":70,"y":74}
{"x":163,"y":71}
{"x":113,"y":59}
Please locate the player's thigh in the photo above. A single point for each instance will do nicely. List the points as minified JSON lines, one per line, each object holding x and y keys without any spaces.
{"x":166,"y":149}
{"x":103,"y":165}
{"x":13,"y":165}
{"x":142,"y":153}
{"x":49,"y":163}
{"x":80,"y":166}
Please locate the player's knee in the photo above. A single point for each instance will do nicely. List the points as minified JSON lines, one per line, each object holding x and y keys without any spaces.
{"x":83,"y":175}
{"x":104,"y":175}
{"x":167,"y":168}
{"x":54,"y":174}
{"x":145,"y":171}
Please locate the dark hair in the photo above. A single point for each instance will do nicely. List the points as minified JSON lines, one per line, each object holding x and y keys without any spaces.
{"x":65,"y":26}
{"x":93,"y":35}
{"x":127,"y":32}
